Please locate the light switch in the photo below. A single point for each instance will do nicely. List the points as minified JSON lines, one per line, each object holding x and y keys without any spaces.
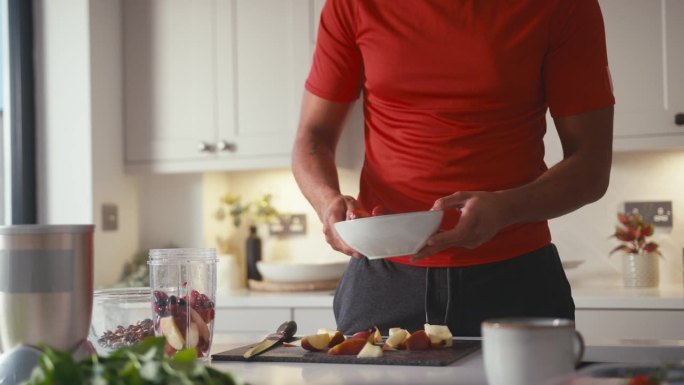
{"x":110,"y":217}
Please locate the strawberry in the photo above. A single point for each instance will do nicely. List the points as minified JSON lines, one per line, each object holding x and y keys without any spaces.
{"x":357,"y":213}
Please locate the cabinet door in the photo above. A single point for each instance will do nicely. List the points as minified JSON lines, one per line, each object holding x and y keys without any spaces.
{"x":635,"y":57}
{"x":309,"y":320}
{"x":645,"y":57}
{"x":169,"y":72}
{"x":597,"y":324}
{"x":270,"y":44}
{"x":674,"y":81}
{"x":261,"y":320}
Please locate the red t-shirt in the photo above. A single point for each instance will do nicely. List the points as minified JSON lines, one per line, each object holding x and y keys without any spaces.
{"x":455,"y":95}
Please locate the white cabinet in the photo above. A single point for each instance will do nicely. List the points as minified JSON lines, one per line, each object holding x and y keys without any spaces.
{"x":260,"y":320}
{"x":309,"y":320}
{"x":169,"y":87}
{"x":213,"y":84}
{"x":598,"y":324}
{"x":267,"y":319}
{"x":646,"y":56}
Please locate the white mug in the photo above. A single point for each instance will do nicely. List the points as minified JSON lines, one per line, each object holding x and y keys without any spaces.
{"x":529,"y":351}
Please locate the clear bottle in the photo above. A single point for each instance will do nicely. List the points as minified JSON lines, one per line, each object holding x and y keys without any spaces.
{"x":253,"y":248}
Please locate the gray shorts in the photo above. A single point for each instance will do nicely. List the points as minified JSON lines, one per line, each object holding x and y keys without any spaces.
{"x":386,"y":294}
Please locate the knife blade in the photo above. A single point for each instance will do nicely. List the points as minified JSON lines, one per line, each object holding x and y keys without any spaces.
{"x":284,"y":333}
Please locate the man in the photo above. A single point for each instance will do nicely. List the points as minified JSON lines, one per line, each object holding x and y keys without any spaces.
{"x":454,"y":100}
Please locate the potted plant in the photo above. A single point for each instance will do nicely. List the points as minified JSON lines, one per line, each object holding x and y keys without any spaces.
{"x":232,"y":210}
{"x":639,"y":256}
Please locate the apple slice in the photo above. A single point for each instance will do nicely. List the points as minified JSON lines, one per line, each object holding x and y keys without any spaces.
{"x":336,"y":338}
{"x":348,"y":347}
{"x":418,"y":340}
{"x":440,"y":335}
{"x":362,"y":335}
{"x":169,"y":330}
{"x":395,"y":340}
{"x":370,"y":351}
{"x":394,"y":330}
{"x":202,"y":327}
{"x":377,"y":337}
{"x":316,"y":342}
{"x":193,"y":335}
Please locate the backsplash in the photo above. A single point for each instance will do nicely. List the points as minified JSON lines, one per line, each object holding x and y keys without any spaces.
{"x":582,"y":235}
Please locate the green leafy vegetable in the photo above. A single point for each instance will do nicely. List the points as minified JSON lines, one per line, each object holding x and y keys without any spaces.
{"x":142,"y":364}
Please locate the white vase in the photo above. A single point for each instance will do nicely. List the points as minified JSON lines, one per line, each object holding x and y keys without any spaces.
{"x":640,"y":270}
{"x":228,"y":274}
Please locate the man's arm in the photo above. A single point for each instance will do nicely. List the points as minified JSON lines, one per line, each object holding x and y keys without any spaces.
{"x":580,"y":178}
{"x":313,"y":163}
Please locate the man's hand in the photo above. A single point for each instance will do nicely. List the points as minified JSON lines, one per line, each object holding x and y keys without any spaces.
{"x":336,"y":211}
{"x":483,"y":214}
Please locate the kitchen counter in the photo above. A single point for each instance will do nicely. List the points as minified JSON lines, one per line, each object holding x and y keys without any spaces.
{"x":586,"y":297}
{"x":469,"y":370}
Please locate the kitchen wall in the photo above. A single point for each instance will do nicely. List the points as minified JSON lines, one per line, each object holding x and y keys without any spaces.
{"x":79,"y":124}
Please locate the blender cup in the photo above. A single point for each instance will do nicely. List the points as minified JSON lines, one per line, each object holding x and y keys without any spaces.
{"x":183,"y":286}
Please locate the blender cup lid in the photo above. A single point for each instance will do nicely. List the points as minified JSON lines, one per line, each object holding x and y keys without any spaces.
{"x":17,"y":364}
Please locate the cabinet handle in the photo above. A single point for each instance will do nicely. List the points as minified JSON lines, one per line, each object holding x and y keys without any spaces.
{"x":205,"y":147}
{"x":226,"y":146}
{"x":679,"y":119}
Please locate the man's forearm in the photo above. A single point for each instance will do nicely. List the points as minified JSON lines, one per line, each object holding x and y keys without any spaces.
{"x":580,"y":178}
{"x":314,"y":169}
{"x":569,"y":185}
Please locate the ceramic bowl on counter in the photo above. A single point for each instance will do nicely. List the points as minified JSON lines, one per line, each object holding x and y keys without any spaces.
{"x":296,"y":272}
{"x":121,"y":317}
{"x":389,"y":235}
{"x":625,"y":374}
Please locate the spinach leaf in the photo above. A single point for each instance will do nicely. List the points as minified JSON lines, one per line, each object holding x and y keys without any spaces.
{"x":142,"y":364}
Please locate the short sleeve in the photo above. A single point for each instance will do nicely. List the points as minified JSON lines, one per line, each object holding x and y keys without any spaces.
{"x":337,"y":69}
{"x":576,"y":74}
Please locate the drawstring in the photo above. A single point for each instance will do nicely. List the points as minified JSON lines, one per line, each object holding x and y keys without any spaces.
{"x":427,"y":293}
{"x":446,"y":311}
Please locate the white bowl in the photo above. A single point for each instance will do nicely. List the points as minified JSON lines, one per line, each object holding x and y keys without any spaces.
{"x":389,"y":235}
{"x":290,"y":272}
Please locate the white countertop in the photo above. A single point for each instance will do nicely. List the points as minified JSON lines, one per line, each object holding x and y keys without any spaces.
{"x":468,"y":370}
{"x":595,"y":296}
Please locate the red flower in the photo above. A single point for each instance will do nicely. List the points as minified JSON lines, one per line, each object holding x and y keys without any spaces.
{"x":633,"y":232}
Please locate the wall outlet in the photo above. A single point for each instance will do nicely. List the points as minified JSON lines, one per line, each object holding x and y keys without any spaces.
{"x":289,"y":224}
{"x":658,"y":213}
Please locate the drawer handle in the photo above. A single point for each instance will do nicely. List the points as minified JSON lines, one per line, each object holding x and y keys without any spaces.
{"x":226,"y":146}
{"x":679,"y":119}
{"x":205,"y":147}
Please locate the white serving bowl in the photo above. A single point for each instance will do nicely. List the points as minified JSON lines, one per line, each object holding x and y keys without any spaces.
{"x":389,"y":235}
{"x":291,"y":272}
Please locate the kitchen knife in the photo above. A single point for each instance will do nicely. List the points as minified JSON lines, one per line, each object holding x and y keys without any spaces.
{"x":285,"y":332}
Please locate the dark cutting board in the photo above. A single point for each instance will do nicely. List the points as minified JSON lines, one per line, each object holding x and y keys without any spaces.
{"x":293,"y":353}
